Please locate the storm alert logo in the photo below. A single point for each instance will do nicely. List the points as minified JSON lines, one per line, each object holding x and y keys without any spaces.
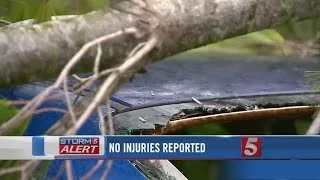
{"x":79,"y":145}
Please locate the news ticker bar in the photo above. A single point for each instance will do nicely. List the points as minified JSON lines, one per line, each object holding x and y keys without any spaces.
{"x":159,"y":147}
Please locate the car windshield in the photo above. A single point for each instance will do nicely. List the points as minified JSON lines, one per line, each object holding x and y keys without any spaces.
{"x":215,"y":75}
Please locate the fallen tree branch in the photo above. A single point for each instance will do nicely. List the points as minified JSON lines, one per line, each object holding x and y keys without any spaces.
{"x":106,"y":90}
{"x":93,"y":170}
{"x":110,"y":84}
{"x":296,"y":111}
{"x":69,"y":169}
{"x":24,"y":169}
{"x":47,"y":47}
{"x":193,"y":24}
{"x":108,"y":169}
{"x":33,"y":104}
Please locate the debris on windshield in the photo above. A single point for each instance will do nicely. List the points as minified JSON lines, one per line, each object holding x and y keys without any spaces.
{"x":197,"y":101}
{"x":142,"y":120}
{"x":203,"y":111}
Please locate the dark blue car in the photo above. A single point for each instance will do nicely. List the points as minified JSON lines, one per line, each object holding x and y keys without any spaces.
{"x":168,"y":87}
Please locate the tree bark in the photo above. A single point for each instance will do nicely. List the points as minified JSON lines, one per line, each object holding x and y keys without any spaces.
{"x":39,"y":52}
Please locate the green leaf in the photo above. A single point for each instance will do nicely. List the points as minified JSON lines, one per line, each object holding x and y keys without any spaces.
{"x":43,"y":10}
{"x":304,"y":30}
{"x":264,"y":42}
{"x":6,"y":112}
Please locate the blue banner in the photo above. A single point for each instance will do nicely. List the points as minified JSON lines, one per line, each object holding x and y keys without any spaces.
{"x":208,"y":147}
{"x":280,"y":157}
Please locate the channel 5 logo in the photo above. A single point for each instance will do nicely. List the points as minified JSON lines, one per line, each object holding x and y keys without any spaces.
{"x":251,"y":147}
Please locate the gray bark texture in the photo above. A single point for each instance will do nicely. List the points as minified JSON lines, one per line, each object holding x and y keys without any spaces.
{"x":40,"y":51}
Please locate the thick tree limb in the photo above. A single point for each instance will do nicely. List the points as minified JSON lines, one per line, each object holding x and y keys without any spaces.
{"x":40,"y":51}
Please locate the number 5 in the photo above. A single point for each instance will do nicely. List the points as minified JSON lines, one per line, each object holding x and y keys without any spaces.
{"x":250,"y":147}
